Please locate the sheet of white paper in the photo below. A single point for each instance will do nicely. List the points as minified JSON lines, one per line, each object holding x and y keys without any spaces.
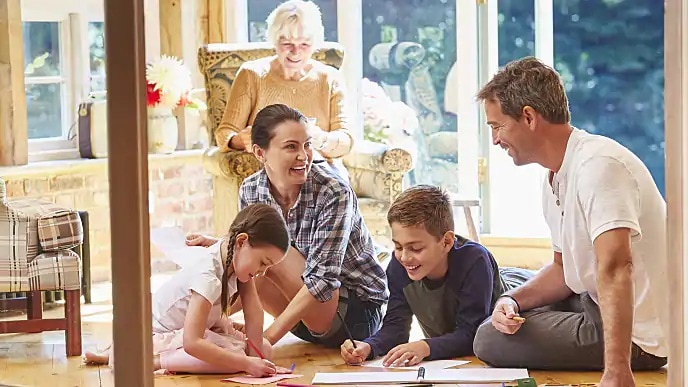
{"x":363,"y":377}
{"x":462,"y":375}
{"x":171,"y":241}
{"x":440,"y":364}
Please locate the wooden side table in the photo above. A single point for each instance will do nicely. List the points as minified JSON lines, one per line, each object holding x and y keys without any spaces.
{"x":467,"y":204}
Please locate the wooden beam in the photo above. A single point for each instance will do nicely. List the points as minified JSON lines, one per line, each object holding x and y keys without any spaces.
{"x":217,"y":21}
{"x":14,"y":144}
{"x":171,"y":28}
{"x":128,"y":177}
{"x":676,"y":133}
{"x":202,"y":21}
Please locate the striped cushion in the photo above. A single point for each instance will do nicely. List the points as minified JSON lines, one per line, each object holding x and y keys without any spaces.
{"x":60,"y":230}
{"x":55,"y":270}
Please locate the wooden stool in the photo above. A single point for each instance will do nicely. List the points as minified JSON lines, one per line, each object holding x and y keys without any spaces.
{"x":467,"y":204}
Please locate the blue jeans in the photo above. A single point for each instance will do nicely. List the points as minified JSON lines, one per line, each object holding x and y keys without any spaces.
{"x":363,"y":318}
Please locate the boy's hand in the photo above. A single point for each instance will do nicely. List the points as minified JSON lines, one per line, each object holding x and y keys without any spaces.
{"x":193,"y":239}
{"x":356,"y":355}
{"x":407,"y":354}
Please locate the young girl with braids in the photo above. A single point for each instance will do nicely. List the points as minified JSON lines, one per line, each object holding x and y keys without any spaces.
{"x":191,"y":330}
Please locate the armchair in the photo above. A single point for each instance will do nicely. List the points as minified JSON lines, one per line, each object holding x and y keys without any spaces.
{"x":37,"y":238}
{"x":376,"y":170}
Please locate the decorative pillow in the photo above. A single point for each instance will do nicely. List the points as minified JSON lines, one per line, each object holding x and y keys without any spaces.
{"x":59,"y":230}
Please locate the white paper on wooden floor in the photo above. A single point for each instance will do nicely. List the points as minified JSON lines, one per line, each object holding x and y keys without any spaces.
{"x":462,"y":375}
{"x":438,"y":364}
{"x":171,"y":241}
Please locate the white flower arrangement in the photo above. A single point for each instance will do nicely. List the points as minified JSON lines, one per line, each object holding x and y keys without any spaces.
{"x":169,"y":84}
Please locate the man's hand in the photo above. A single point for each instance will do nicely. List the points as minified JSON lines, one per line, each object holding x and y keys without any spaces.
{"x":407,"y":354}
{"x":194,"y":239}
{"x":617,"y":377}
{"x":242,"y":140}
{"x":356,"y":355}
{"x":503,"y":316}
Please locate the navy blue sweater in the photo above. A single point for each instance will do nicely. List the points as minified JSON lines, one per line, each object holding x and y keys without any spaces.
{"x":449,"y":311}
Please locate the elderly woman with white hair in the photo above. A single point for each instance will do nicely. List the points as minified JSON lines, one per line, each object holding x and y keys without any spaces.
{"x":293,"y":78}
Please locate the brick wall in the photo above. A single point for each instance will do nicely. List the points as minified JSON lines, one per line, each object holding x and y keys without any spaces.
{"x":180,"y":195}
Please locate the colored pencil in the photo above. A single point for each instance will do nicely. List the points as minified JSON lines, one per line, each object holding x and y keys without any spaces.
{"x":348,"y":332}
{"x":255,"y":348}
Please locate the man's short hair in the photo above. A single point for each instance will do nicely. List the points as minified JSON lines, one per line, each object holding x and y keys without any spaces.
{"x":423,"y":205}
{"x":528,"y":82}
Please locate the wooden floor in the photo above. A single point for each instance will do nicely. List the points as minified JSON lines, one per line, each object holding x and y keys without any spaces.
{"x":39,"y":359}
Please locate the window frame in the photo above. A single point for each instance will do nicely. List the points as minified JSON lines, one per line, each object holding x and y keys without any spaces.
{"x":73,"y":17}
{"x":506,"y":183}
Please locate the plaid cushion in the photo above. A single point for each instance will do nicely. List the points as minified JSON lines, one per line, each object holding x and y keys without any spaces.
{"x":60,"y":230}
{"x":55,"y":270}
{"x":19,"y":239}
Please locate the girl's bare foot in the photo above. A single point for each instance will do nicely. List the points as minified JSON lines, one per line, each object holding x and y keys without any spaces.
{"x":102,"y":357}
{"x":95,"y":358}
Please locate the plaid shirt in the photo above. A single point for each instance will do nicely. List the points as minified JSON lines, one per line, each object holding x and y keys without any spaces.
{"x":327,"y":228}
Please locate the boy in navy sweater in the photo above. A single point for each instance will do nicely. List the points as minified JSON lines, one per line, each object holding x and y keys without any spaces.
{"x":448,"y":282}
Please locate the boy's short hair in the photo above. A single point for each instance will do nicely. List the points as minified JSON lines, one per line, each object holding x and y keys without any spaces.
{"x":423,"y":205}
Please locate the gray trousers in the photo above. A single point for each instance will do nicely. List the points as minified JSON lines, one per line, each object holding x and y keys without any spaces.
{"x":564,"y":336}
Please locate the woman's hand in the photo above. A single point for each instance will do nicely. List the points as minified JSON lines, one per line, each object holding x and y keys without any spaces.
{"x":193,"y":239}
{"x":242,"y":140}
{"x":318,"y":136}
{"x":407,"y":354}
{"x":259,"y":368}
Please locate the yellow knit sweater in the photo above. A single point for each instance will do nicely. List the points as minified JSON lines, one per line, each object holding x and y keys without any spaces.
{"x":319,"y":94}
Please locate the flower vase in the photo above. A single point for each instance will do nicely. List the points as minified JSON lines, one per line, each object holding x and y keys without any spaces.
{"x":163,"y":130}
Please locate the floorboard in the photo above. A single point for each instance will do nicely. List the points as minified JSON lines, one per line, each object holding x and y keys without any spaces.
{"x":39,"y":359}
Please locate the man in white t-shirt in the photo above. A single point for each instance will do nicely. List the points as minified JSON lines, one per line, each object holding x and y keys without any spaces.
{"x":602,"y":302}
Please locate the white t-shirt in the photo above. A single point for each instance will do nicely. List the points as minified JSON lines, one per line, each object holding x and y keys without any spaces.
{"x":171,"y":301}
{"x":601,"y":186}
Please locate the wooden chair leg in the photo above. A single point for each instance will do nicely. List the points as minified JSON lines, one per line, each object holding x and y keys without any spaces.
{"x":73,"y":317}
{"x":34,"y":305}
{"x":472,"y":232}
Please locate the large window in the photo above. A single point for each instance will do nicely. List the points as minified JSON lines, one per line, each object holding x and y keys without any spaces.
{"x":64,"y":62}
{"x":44,"y":72}
{"x":409,"y":49}
{"x":611,"y":57}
